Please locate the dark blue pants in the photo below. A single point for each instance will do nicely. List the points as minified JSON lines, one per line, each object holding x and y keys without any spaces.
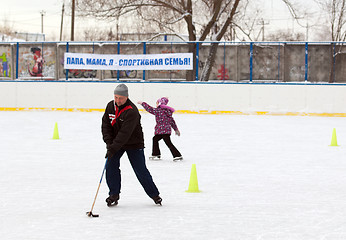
{"x":137,"y":161}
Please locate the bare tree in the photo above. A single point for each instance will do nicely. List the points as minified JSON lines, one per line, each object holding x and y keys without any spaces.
{"x":245,"y":25}
{"x":282,"y":35}
{"x":217,"y":34}
{"x":168,"y":14}
{"x":204,"y":20}
{"x":6,"y":29}
{"x":92,"y":34}
{"x":336,"y":11}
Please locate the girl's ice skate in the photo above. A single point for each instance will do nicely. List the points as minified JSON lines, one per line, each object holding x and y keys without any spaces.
{"x":155,"y":158}
{"x":178,"y":158}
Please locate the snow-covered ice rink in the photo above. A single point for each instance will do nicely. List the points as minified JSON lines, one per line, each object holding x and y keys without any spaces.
{"x":261,"y":177}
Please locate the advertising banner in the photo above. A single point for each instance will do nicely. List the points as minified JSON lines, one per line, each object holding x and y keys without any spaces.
{"x":170,"y":61}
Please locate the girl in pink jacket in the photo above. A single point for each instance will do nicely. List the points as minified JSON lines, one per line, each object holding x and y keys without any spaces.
{"x":164,"y":124}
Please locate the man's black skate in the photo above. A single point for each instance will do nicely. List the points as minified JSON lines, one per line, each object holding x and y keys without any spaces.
{"x":157,"y":200}
{"x":112,"y":200}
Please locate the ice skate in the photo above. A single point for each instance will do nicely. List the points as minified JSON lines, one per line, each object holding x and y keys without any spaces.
{"x":112,"y":200}
{"x":178,"y":158}
{"x":155,"y":158}
{"x":157,"y":200}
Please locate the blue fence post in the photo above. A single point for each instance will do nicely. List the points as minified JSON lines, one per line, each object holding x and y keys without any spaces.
{"x":42,"y":58}
{"x":197,"y":60}
{"x":67,"y":70}
{"x":92,"y":78}
{"x":251,"y":59}
{"x":306,"y":61}
{"x":144,"y":52}
{"x":279,"y":64}
{"x":118,"y":50}
{"x":170,"y":72}
{"x":334,"y":62}
{"x":17,"y":59}
{"x":223,"y":71}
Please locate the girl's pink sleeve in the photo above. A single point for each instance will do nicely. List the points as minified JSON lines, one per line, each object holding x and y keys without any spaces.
{"x":174,"y":125}
{"x":148,"y":108}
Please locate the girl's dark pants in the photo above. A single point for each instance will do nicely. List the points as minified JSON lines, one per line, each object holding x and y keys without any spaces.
{"x":137,"y":160}
{"x":167,"y":139}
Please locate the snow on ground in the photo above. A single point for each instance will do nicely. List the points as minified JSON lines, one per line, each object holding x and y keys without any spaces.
{"x":261,"y":177}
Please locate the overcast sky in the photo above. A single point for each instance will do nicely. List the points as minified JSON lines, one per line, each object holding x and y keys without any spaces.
{"x":25,"y":16}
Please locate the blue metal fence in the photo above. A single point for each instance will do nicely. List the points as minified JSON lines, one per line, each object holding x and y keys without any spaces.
{"x":235,"y":61}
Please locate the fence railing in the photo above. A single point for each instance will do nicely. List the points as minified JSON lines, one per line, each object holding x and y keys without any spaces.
{"x":289,"y":62}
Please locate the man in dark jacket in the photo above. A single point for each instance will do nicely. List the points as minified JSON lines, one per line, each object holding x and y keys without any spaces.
{"x":122,"y":132}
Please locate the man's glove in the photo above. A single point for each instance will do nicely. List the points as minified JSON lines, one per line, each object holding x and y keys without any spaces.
{"x":110,"y":153}
{"x":177,"y":132}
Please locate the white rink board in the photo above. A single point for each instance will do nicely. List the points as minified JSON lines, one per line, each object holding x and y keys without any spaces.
{"x":195,"y":97}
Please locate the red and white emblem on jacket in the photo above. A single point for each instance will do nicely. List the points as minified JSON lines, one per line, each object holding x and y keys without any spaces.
{"x":111,"y":117}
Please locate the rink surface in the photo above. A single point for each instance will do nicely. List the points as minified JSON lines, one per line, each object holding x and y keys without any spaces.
{"x":261,"y":177}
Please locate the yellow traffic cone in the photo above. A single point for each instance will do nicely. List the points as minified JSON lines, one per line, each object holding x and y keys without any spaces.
{"x":334,"y":141}
{"x":56,"y":133}
{"x":193,"y":185}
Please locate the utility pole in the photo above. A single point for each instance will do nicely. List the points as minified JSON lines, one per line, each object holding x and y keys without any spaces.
{"x":62,"y":20}
{"x":72,"y":21}
{"x":117,"y":26}
{"x":293,"y":20}
{"x":307,"y":28}
{"x":262,"y":22}
{"x":232,"y":32}
{"x":307,"y":31}
{"x":42,"y":14}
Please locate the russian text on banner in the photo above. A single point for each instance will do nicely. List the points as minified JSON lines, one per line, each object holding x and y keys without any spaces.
{"x":170,"y":61}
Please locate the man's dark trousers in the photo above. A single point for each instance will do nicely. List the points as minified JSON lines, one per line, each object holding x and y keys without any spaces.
{"x":137,"y":160}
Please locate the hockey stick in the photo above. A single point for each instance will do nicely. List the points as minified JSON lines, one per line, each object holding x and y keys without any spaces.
{"x":90,"y":214}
